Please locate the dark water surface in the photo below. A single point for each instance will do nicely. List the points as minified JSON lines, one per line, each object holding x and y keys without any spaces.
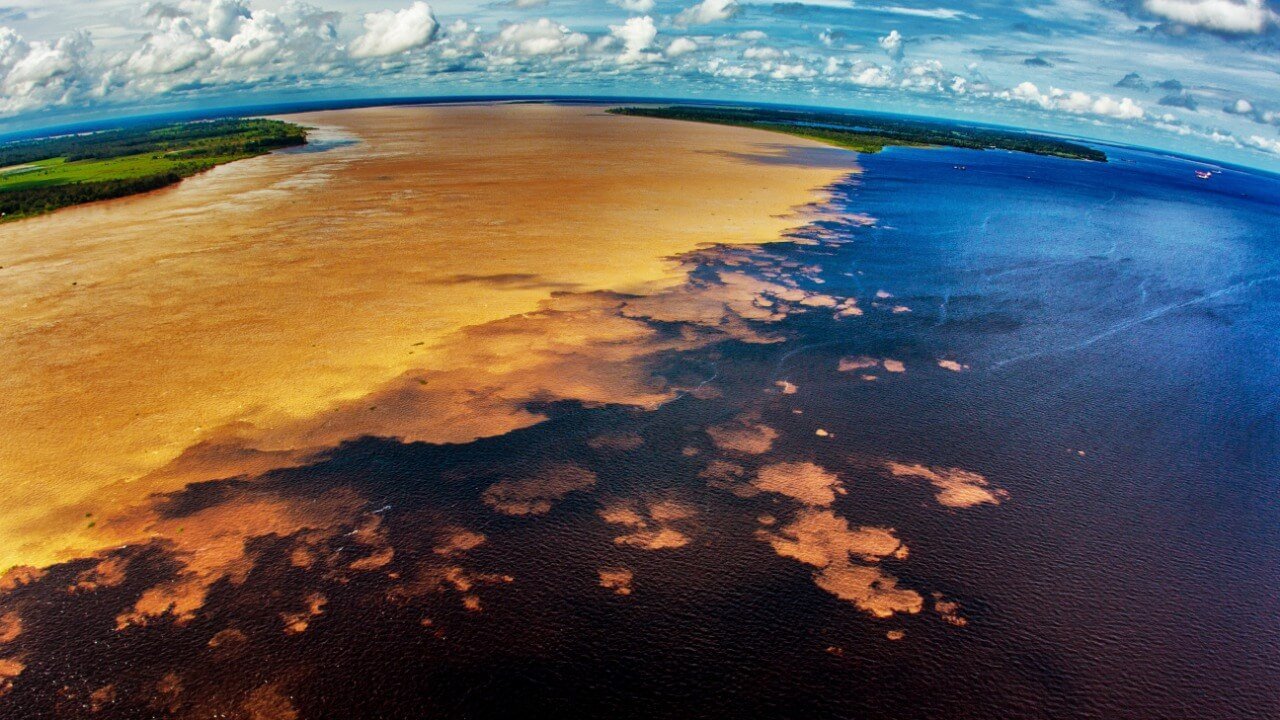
{"x":1121,"y":328}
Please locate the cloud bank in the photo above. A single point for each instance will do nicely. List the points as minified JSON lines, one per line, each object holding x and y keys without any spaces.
{"x":1193,"y":75}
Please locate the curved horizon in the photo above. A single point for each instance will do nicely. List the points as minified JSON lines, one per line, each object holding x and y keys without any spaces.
{"x":304,"y":106}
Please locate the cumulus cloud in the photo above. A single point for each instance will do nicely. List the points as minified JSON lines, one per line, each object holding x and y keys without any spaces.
{"x":539,"y":37}
{"x":223,"y":17}
{"x":38,"y":74}
{"x":1247,"y":108}
{"x":892,"y":45}
{"x":1233,"y":17}
{"x":637,"y":35}
{"x":392,"y":32}
{"x":1075,"y":102}
{"x":635,"y":6}
{"x":1240,"y":107}
{"x":177,"y":45}
{"x":707,"y":11}
{"x":1271,"y":145}
{"x":681,"y":46}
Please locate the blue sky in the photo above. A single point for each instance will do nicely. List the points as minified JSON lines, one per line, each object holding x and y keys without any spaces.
{"x":1196,"y":76}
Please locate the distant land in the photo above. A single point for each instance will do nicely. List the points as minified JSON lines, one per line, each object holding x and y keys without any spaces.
{"x":872,"y":133}
{"x":43,"y":175}
{"x":98,"y":162}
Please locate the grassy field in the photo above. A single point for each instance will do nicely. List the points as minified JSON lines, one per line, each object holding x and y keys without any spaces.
{"x":58,"y":171}
{"x":43,"y":175}
{"x":858,"y":142}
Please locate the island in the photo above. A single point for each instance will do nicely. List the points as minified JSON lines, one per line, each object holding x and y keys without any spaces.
{"x":869,"y":133}
{"x":45,"y":174}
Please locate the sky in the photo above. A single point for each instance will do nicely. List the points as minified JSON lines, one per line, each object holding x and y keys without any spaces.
{"x":1195,"y":76}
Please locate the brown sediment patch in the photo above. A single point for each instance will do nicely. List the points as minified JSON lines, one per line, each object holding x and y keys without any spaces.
{"x":743,"y":434}
{"x":431,"y":579}
{"x":620,"y":442}
{"x":168,"y":693}
{"x":653,"y":525}
{"x":617,"y":579}
{"x":948,"y":610}
{"x":298,"y":622}
{"x":19,"y":575}
{"x":658,"y":538}
{"x":231,"y":637}
{"x":211,"y":544}
{"x":188,"y":348}
{"x":848,"y":308}
{"x":859,"y":362}
{"x":724,"y":475}
{"x":379,"y":558}
{"x":108,"y":572}
{"x":807,"y":482}
{"x":10,"y":669}
{"x":10,"y":627}
{"x":268,"y":703}
{"x":458,"y":542}
{"x":102,"y":697}
{"x":846,"y":560}
{"x":956,"y":487}
{"x":537,"y":494}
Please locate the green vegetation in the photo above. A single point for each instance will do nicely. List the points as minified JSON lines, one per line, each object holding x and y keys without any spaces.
{"x":871,"y":133}
{"x":39,"y":176}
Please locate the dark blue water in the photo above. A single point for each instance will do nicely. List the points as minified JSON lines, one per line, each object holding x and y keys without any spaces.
{"x":1130,"y":310}
{"x":1121,"y":328}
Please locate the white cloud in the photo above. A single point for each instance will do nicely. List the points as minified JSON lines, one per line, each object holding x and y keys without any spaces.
{"x":1075,"y":102}
{"x":390,"y":32}
{"x":224,"y":16}
{"x":788,"y":71}
{"x":935,"y":13}
{"x":635,"y":6}
{"x":1271,"y":145}
{"x":681,"y":46}
{"x":1240,"y":107}
{"x":539,"y":37}
{"x":1239,"y":17}
{"x":257,"y":41}
{"x":177,"y":45}
{"x":707,"y":11}
{"x":762,"y":53}
{"x":637,"y":35}
{"x":39,"y":74}
{"x":892,"y":45}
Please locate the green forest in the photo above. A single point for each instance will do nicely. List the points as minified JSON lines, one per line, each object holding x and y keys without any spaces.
{"x":43,"y":175}
{"x":872,"y":133}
